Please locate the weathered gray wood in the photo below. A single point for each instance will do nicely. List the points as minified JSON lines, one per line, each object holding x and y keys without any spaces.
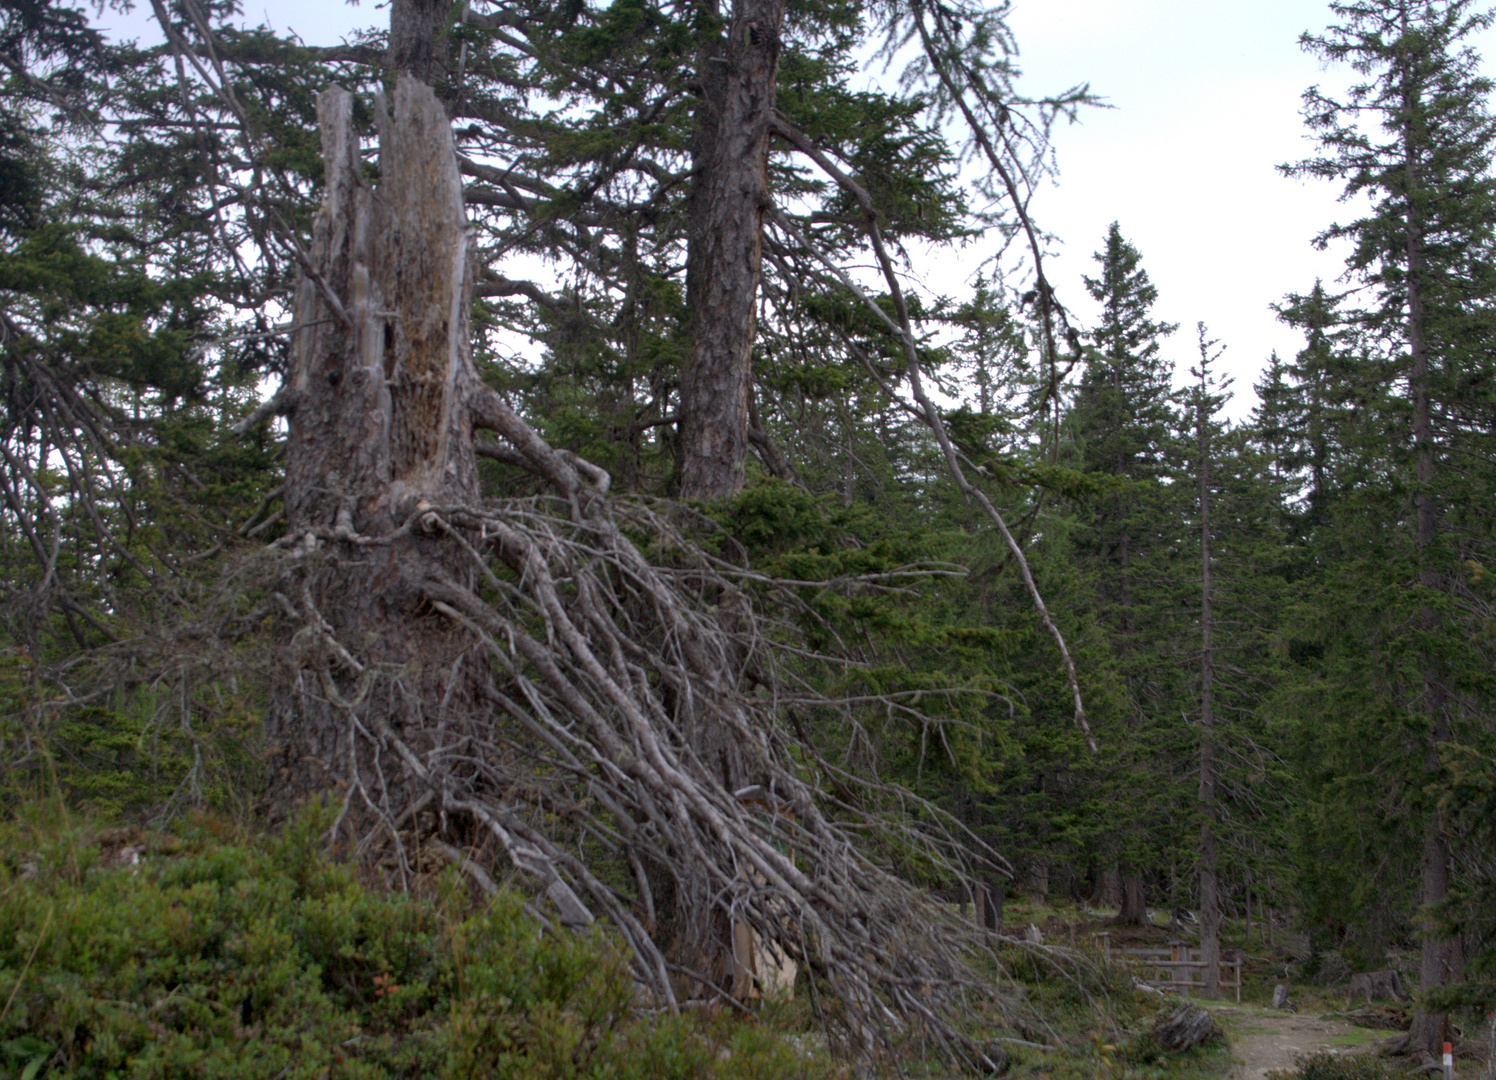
{"x":1179,"y":962}
{"x":989,"y":904}
{"x":379,"y":391}
{"x":1185,"y":1028}
{"x":1375,"y":984}
{"x":1280,"y":997}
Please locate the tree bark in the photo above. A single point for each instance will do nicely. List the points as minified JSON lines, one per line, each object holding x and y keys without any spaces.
{"x":418,"y":42}
{"x":728,"y":198}
{"x":726,"y":205}
{"x":990,"y":890}
{"x":1108,"y":887}
{"x":1134,"y":909}
{"x":1247,"y":907}
{"x":379,"y":386}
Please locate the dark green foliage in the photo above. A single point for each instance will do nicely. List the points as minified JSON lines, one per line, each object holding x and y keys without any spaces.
{"x":1471,"y":909}
{"x":143,"y":751}
{"x":224,"y":959}
{"x":1388,"y":448}
{"x":141,"y":281}
{"x":1131,"y":543}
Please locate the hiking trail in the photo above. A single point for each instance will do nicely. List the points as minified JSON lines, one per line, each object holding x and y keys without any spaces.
{"x":1264,"y":1039}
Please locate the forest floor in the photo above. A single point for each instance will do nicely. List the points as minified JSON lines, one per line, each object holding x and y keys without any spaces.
{"x":1266,"y":1039}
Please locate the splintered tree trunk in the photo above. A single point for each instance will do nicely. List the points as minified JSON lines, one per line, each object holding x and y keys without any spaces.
{"x":729,"y":195}
{"x":379,"y":394}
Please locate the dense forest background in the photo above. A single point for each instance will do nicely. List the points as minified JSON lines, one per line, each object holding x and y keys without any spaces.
{"x":1281,"y":629}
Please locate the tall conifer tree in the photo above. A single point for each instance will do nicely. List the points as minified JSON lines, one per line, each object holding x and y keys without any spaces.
{"x":1123,"y":421}
{"x":1416,"y":139}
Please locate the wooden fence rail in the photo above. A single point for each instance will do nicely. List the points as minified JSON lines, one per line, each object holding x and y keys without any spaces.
{"x":1179,"y":965}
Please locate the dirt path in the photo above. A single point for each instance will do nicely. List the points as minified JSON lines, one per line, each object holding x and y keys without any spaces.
{"x":1265,"y":1039}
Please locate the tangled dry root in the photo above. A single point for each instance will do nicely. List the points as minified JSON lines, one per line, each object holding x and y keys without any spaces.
{"x":628,"y":693}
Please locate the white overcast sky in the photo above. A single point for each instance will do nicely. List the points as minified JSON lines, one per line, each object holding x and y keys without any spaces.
{"x":1204,"y":98}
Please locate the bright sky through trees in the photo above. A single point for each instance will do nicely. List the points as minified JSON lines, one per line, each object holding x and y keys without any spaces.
{"x":1204,"y":104}
{"x":1205,"y":98}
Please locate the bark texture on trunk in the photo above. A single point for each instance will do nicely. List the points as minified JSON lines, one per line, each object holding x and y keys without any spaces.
{"x":1108,"y":887}
{"x":418,"y":42}
{"x":583,"y":691}
{"x":378,"y":387}
{"x":1134,"y":909}
{"x":990,"y":891}
{"x":729,"y":196}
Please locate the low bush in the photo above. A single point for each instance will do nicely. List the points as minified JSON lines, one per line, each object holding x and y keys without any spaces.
{"x":226,"y":960}
{"x":1327,"y":1065}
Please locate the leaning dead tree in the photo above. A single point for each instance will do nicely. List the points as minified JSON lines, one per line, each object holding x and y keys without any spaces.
{"x":520,"y":686}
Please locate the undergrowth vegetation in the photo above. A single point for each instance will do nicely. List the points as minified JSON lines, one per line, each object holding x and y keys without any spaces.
{"x":200,"y":952}
{"x":209,"y":948}
{"x":1328,"y":1065}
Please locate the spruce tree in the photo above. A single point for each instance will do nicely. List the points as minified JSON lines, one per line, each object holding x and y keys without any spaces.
{"x":1206,"y":398}
{"x":1122,"y":421}
{"x":1237,"y":517}
{"x":1416,"y":139}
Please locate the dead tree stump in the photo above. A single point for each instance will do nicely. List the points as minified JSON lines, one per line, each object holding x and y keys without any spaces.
{"x":1185,"y":1028}
{"x":1375,"y":984}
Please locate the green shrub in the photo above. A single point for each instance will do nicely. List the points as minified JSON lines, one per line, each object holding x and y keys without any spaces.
{"x":146,"y":750}
{"x":219,"y":960}
{"x":1326,"y":1065}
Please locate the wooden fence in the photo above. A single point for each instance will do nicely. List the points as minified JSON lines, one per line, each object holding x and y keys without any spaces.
{"x":1179,"y":967}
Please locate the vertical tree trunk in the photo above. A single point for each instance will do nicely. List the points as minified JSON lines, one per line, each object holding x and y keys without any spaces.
{"x":1108,"y":887}
{"x":1427,"y":1028}
{"x":1134,"y":909}
{"x":1210,"y":907}
{"x":990,"y":892}
{"x":379,"y":381}
{"x":418,"y":42}
{"x":728,"y":199}
{"x":1247,"y":895}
